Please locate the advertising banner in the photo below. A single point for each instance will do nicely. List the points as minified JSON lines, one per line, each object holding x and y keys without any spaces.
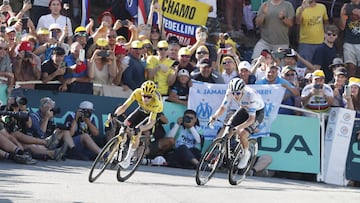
{"x":353,"y":158}
{"x":294,"y":144}
{"x":337,"y":138}
{"x":205,"y":98}
{"x":182,"y":17}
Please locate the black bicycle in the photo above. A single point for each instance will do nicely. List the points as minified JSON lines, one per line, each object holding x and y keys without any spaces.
{"x":222,"y":151}
{"x":116,"y":150}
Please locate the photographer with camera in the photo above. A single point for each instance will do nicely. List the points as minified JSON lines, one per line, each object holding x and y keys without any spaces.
{"x":43,"y":125}
{"x":188,"y":141}
{"x":102,"y":66}
{"x":27,"y":66}
{"x":82,"y":127}
{"x":317,"y":96}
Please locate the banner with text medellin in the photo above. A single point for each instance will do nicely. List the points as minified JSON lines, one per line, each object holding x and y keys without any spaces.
{"x":182,"y":17}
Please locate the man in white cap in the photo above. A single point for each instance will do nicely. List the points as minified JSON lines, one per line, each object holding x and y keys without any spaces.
{"x":245,"y":72}
{"x":82,"y":127}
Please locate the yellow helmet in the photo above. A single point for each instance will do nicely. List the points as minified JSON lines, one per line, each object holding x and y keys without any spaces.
{"x":148,"y":87}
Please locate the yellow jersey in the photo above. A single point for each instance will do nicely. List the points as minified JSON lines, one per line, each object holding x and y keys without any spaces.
{"x":154,"y":106}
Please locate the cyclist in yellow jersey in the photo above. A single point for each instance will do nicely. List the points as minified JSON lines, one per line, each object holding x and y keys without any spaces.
{"x":150,"y":104}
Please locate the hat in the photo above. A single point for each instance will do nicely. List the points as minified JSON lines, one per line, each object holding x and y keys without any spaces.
{"x":86,"y":105}
{"x":286,"y":69}
{"x":136,"y":44}
{"x":162,"y":44}
{"x":183,"y":72}
{"x":184,"y":51}
{"x":244,"y":65}
{"x":308,"y":76}
{"x":354,"y":81}
{"x":80,"y":29}
{"x":337,"y":62}
{"x":54,"y":26}
{"x":102,"y":42}
{"x":120,"y":38}
{"x":25,"y":46}
{"x":204,"y":62}
{"x":119,"y":49}
{"x":106,"y":13}
{"x":12,"y":20}
{"x":173,"y":40}
{"x":318,"y":74}
{"x":58,"y":51}
{"x":146,"y":41}
{"x":292,"y":53}
{"x":341,"y":71}
{"x":10,"y":29}
{"x":43,"y":31}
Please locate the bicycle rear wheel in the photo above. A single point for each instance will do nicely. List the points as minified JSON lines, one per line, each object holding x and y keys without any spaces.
{"x":108,"y":154}
{"x":209,"y":162}
{"x":124,"y":174}
{"x":236,"y":175}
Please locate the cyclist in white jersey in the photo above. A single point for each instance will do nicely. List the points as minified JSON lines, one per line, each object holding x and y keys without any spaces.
{"x":249,"y":107}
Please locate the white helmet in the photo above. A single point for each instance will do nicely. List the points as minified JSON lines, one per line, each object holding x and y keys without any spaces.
{"x":236,"y":85}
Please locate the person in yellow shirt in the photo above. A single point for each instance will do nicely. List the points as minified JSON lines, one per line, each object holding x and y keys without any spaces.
{"x":311,"y":17}
{"x":159,"y":68}
{"x":150,"y":104}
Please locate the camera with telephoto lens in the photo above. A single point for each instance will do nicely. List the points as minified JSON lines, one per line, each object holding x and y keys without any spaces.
{"x":22,"y":115}
{"x":187,"y":119}
{"x":103,"y":54}
{"x":86,"y":113}
{"x":56,"y":110}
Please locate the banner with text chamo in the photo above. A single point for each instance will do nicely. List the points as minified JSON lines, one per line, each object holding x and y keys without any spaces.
{"x":182,"y":17}
{"x":205,"y":99}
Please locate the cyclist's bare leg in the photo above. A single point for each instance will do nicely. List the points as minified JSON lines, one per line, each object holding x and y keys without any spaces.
{"x":243,"y":136}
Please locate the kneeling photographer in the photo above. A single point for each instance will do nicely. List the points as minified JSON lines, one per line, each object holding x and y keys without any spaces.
{"x":82,"y":127}
{"x":188,"y":141}
{"x":16,"y":119}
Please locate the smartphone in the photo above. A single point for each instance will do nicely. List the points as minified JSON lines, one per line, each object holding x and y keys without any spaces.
{"x":347,"y":90}
{"x":317,"y":86}
{"x":82,"y":55}
{"x":6,"y":2}
{"x":54,"y":34}
{"x":24,"y":22}
{"x":203,"y":36}
{"x":224,"y":51}
{"x":2,"y":29}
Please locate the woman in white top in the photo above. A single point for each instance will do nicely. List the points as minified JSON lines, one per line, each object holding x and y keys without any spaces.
{"x":102,"y":66}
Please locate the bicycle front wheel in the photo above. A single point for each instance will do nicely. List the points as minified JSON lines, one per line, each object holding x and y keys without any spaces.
{"x":124,"y":174}
{"x":236,"y":175}
{"x":209,"y":162}
{"x":107,"y":155}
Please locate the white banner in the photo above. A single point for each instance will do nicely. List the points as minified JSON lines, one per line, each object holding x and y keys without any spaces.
{"x":205,"y":98}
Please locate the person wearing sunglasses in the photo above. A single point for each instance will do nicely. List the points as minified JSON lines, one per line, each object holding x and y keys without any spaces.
{"x":289,"y":74}
{"x":206,"y":73}
{"x":326,"y":52}
{"x":248,"y":106}
{"x":150,"y":104}
{"x":159,"y":68}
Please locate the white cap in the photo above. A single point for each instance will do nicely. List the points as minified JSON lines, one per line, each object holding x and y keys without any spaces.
{"x":183,"y":72}
{"x":244,"y":64}
{"x":86,"y":105}
{"x":54,"y":26}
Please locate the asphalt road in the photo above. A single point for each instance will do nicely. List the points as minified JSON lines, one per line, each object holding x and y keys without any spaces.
{"x":66,"y":181}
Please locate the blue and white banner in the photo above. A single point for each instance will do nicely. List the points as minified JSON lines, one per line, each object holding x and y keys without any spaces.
{"x":84,"y":12}
{"x":205,"y":98}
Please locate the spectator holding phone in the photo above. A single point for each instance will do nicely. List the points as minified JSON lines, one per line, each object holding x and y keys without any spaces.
{"x":317,"y":96}
{"x":338,"y":86}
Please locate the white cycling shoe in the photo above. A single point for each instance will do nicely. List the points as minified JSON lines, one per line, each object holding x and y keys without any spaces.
{"x":127,"y":161}
{"x":244,"y":160}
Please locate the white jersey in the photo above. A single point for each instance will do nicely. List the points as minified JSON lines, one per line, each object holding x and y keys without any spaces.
{"x":251,"y":100}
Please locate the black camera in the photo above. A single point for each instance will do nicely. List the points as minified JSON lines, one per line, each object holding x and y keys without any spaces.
{"x":103,"y":54}
{"x":21,"y":100}
{"x":86,"y":113}
{"x":187,"y":119}
{"x":317,"y":86}
{"x":22,"y":115}
{"x":27,"y":54}
{"x":56,"y":110}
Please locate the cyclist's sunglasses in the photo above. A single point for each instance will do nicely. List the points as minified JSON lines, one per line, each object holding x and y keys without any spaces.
{"x":147,"y":96}
{"x":237,"y":93}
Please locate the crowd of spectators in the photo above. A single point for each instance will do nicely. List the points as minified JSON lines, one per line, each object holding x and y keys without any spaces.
{"x":45,"y":52}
